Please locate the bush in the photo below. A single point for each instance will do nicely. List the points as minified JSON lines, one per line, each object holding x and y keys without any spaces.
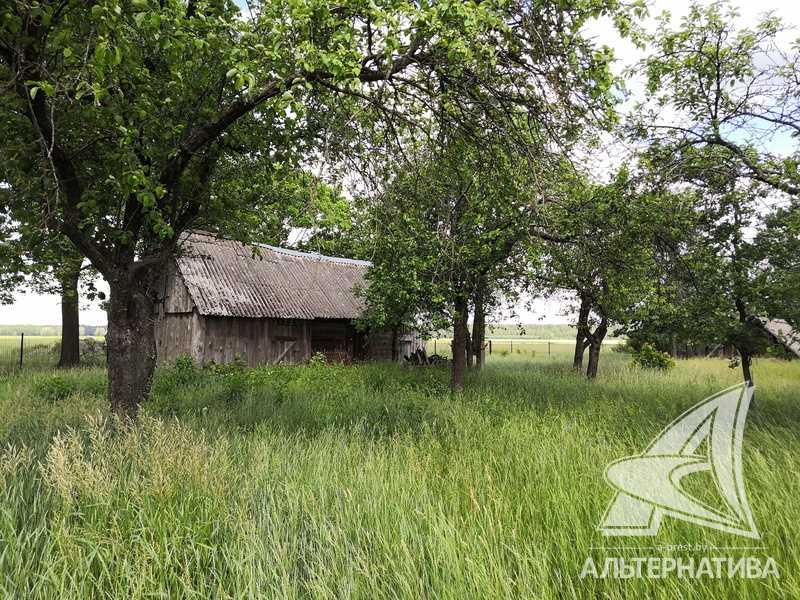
{"x":182,"y":372}
{"x":317,"y":359}
{"x":624,"y":348}
{"x":55,"y":388}
{"x":647,"y":357}
{"x":780,"y":352}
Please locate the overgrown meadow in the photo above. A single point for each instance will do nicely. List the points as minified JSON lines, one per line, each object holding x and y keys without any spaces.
{"x":367,"y":481}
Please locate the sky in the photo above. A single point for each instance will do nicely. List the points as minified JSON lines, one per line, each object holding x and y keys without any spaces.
{"x":38,"y":309}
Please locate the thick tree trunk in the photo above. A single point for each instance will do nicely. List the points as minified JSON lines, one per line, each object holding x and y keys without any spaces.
{"x":479,"y":331}
{"x":459,"y":345}
{"x":595,"y":343}
{"x":131,"y":349}
{"x":70,"y":321}
{"x":580,"y":349}
{"x":581,"y":335}
{"x":594,"y":359}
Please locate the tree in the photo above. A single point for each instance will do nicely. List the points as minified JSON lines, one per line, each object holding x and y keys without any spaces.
{"x":728,"y":87}
{"x":779,"y":277}
{"x":734,"y":118}
{"x":721,"y":263}
{"x":604,"y":256}
{"x":131,"y":105}
{"x":450,"y":234}
{"x":44,"y":262}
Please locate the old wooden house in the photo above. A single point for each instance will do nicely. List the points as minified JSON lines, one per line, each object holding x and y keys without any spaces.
{"x":225,"y":301}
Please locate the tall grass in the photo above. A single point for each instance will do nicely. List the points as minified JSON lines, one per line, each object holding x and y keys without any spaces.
{"x":366,"y":482}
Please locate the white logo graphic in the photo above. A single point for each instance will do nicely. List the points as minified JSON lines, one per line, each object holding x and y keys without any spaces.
{"x":649,"y":486}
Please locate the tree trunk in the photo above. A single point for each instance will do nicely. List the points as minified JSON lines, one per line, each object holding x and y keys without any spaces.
{"x":580,"y":348}
{"x":747,"y":360}
{"x":594,"y":358}
{"x":744,"y":350}
{"x":70,"y":321}
{"x":595,"y":343}
{"x":479,"y":330}
{"x":131,"y":347}
{"x":467,"y":345}
{"x":581,"y":335}
{"x":459,"y":345}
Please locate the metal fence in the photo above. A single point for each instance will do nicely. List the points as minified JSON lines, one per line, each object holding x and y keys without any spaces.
{"x":508,"y":347}
{"x":43,"y":352}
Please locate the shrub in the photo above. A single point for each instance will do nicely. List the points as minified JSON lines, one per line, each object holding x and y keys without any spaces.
{"x":624,"y":348}
{"x":181,"y":372}
{"x":317,"y":359}
{"x":780,"y":352}
{"x":647,"y":357}
{"x":55,"y":388}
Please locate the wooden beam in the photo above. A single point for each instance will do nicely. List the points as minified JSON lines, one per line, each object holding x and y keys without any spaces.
{"x":285,"y":351}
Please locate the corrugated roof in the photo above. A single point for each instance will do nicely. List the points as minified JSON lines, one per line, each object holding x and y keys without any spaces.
{"x":231,"y":279}
{"x":784,"y":333}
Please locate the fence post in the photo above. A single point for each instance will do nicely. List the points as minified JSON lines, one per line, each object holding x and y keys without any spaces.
{"x":21,"y":348}
{"x":490,"y":347}
{"x":548,"y":348}
{"x":512,"y":346}
{"x":434,"y":345}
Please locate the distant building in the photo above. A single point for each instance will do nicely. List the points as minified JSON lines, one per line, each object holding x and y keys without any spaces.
{"x":781,"y":332}
{"x":225,"y":301}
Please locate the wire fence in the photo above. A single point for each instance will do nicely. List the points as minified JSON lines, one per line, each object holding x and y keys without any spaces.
{"x":43,"y":352}
{"x":507,"y":347}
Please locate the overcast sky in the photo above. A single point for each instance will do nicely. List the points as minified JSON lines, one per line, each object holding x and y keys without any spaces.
{"x":45,"y":310}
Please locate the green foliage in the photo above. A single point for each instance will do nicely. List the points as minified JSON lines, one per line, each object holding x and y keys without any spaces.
{"x":780,"y":352}
{"x":647,"y":357}
{"x":711,"y":86}
{"x":317,"y":359}
{"x":454,"y":220}
{"x":55,"y":388}
{"x":127,"y":123}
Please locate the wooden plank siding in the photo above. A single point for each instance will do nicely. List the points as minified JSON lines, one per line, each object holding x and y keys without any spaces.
{"x":266,"y":341}
{"x":175,"y":336}
{"x":223,"y":302}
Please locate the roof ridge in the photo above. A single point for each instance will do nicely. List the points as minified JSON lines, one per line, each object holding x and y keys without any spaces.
{"x":286,"y":251}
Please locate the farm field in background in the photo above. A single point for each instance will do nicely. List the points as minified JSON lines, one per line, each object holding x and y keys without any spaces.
{"x":532,"y":331}
{"x":367,"y":481}
{"x":39,"y":351}
{"x":553,"y":347}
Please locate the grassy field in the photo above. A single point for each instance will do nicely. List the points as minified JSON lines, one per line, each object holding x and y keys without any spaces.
{"x":531,"y":331}
{"x":366,"y":482}
{"x":39,"y":352}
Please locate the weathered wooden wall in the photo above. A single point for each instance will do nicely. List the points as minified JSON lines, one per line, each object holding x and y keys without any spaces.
{"x":269,"y":341}
{"x":176,"y":298}
{"x":181,"y":331}
{"x":254,"y":341}
{"x":379,"y":344}
{"x":176,"y":336}
{"x":225,"y":339}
